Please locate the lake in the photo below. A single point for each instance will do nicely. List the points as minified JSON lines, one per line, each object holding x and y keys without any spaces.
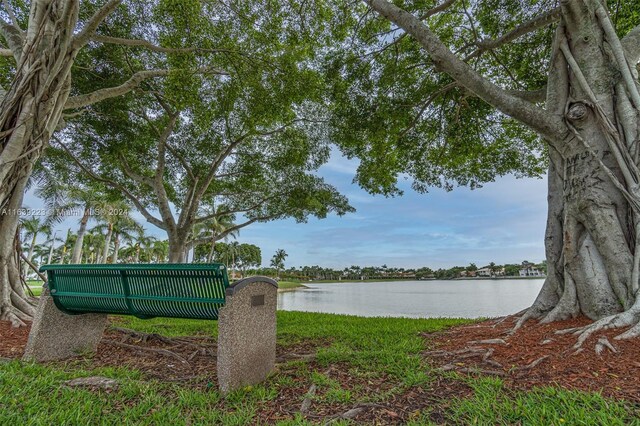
{"x":415,"y":299}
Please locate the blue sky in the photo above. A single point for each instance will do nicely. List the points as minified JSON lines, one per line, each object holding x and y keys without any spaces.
{"x":502,"y":222}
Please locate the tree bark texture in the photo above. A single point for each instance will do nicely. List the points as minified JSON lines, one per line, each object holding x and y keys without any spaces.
{"x":30,"y":111}
{"x":593,"y":227}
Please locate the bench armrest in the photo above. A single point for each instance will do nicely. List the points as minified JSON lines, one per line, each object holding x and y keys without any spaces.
{"x":239,"y":285}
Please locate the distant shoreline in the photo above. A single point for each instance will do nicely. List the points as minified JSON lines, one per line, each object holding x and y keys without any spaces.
{"x":415,"y":279}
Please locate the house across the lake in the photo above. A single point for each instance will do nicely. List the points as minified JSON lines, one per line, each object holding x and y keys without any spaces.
{"x":530,"y":270}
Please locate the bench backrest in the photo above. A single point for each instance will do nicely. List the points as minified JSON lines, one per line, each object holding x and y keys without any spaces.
{"x":146,"y":291}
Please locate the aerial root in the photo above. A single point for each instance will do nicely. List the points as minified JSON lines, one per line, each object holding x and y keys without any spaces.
{"x":630,"y":333}
{"x":527,"y":314}
{"x":621,"y":320}
{"x":532,"y":364}
{"x":15,"y":316}
{"x":603,"y":343}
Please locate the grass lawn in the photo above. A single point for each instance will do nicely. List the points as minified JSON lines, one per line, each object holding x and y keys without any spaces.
{"x":286,"y":285}
{"x":359,"y":360}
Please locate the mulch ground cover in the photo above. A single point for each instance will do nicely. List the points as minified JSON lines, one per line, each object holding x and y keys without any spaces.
{"x":533,"y":356}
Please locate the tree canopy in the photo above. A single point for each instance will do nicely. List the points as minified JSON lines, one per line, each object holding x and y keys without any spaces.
{"x":399,"y":111}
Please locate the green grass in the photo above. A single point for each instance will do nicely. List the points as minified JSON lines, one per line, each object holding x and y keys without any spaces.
{"x":355,"y":355}
{"x":372,"y":280}
{"x":392,"y":345}
{"x":286,"y":285}
{"x":493,"y":404}
{"x":37,"y":291}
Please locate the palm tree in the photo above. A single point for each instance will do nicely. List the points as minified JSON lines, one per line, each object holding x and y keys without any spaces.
{"x":110,"y":212}
{"x":32,"y":228}
{"x":51,"y":240}
{"x":64,"y":198}
{"x":210,"y":231}
{"x":277,"y":261}
{"x":68,"y":242}
{"x":94,"y":240}
{"x":160,"y":251}
{"x":143,"y":241}
{"x":125,"y":228}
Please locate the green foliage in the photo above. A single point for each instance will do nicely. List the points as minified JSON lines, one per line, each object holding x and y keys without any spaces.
{"x":236,"y":255}
{"x":277,"y":261}
{"x":251,"y":123}
{"x":394,"y":110}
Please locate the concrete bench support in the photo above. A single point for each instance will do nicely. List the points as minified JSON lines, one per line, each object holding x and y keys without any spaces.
{"x":55,"y":335}
{"x":247,"y":333}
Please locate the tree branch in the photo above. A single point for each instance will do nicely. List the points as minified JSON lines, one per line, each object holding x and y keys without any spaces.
{"x":234,"y":229}
{"x":232,"y":212}
{"x":535,"y":96}
{"x":89,"y":29}
{"x":12,"y":15}
{"x":150,"y":218}
{"x":80,"y":101}
{"x":134,"y":81}
{"x":174,"y":151}
{"x":529,"y":26}
{"x":14,"y":38}
{"x":150,"y":46}
{"x":631,"y":45}
{"x":545,"y":124}
{"x":145,"y":180}
{"x":437,"y":9}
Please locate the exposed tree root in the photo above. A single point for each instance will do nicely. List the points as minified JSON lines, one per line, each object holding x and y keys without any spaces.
{"x":532,"y":364}
{"x":145,"y":337}
{"x":352,"y":412}
{"x":488,"y":342}
{"x":163,"y":352}
{"x":603,"y":343}
{"x":308,"y":399}
{"x":441,"y":353}
{"x":621,"y":320}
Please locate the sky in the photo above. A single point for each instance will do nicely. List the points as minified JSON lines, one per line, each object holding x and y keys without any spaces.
{"x":503,"y":222}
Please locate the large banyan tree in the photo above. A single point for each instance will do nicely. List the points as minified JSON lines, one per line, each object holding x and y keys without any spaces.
{"x":48,"y":46}
{"x":460,"y":92}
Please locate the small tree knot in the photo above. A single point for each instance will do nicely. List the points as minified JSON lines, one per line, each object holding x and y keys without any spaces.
{"x":577,"y":111}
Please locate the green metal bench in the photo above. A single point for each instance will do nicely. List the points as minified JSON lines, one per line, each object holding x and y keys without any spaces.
{"x":146,"y":291}
{"x":72,"y":312}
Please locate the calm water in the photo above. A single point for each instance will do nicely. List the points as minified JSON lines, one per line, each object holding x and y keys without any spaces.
{"x":418,"y":299}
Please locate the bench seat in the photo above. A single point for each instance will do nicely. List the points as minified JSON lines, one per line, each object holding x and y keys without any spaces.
{"x":194,"y":291}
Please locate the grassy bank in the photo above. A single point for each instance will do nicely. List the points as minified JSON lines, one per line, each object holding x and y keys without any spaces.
{"x":375,"y":361}
{"x":378,"y":280}
{"x":289,"y":285}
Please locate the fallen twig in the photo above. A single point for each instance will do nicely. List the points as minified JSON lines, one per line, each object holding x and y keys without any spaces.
{"x":532,"y":364}
{"x":308,"y":399}
{"x":159,"y":351}
{"x":488,"y":342}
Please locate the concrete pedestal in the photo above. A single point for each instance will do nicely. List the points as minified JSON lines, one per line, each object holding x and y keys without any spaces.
{"x":56,"y":335}
{"x":247,"y":333}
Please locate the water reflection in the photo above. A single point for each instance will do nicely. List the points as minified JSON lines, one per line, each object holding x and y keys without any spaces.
{"x":417,"y":299}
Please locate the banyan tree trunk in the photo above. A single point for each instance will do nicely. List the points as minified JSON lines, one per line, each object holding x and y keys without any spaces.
{"x":592,"y":238}
{"x":30,"y":110}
